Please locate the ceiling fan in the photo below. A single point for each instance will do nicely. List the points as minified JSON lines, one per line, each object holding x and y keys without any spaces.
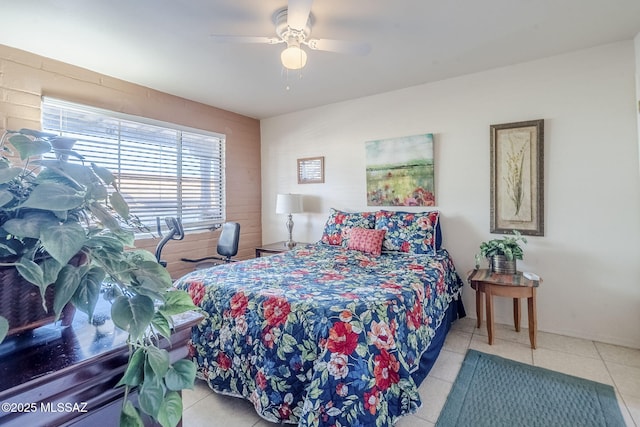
{"x":293,"y":27}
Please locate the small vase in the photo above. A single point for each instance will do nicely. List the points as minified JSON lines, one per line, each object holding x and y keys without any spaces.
{"x":499,"y":264}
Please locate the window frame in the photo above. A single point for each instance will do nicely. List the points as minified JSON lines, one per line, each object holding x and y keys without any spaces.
{"x":179,"y":177}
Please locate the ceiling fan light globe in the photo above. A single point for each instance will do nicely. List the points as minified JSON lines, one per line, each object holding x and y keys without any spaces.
{"x":293,"y":58}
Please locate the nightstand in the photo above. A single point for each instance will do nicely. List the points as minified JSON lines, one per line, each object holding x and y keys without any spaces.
{"x":515,"y":286}
{"x":275,"y":248}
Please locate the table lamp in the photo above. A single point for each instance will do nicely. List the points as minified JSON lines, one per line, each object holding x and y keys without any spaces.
{"x":289,"y":204}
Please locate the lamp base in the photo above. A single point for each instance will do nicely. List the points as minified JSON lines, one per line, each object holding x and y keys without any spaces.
{"x":290,"y":243}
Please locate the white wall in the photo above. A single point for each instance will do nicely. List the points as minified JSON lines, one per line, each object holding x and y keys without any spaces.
{"x":589,"y":257}
{"x":636,"y":43}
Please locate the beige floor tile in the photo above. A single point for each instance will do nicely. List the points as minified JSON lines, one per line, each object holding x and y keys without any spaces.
{"x":577,"y":346}
{"x":626,"y":414}
{"x":457,"y":341}
{"x":626,"y":378}
{"x":217,"y":410}
{"x":447,"y":366}
{"x":200,"y":391}
{"x":506,"y":332}
{"x":633,"y":406}
{"x":264,"y":423}
{"x":466,"y":324}
{"x":622,"y":355}
{"x":503,"y":348}
{"x":433,"y":393}
{"x":571,"y":364}
{"x":411,"y":421}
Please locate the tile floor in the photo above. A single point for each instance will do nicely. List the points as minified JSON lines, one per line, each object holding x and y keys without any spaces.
{"x":609,"y":364}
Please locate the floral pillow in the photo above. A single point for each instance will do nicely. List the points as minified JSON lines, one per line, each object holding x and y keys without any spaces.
{"x":366,"y":240}
{"x":339,"y":224}
{"x":416,"y":233}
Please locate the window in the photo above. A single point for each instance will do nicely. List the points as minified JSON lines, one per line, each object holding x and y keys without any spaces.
{"x":162,"y":169}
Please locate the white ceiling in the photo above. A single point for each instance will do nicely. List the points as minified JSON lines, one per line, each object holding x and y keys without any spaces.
{"x":166,"y":44}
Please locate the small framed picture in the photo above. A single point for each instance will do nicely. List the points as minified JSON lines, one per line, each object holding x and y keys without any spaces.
{"x":311,"y":170}
{"x":517,"y":178}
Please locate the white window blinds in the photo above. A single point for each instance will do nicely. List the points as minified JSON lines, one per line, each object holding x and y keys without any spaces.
{"x":162,"y":169}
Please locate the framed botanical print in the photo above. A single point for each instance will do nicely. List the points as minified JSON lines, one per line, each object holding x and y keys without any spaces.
{"x":517,"y":177}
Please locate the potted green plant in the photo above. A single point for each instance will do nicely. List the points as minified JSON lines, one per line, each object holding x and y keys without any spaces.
{"x":64,"y":226}
{"x":502,"y":253}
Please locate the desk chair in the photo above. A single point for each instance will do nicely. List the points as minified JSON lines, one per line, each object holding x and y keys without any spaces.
{"x":227,"y":247}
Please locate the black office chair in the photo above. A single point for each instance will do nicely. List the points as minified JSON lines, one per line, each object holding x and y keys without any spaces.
{"x":227,"y":247}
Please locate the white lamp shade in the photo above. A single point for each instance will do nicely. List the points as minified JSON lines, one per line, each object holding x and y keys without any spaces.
{"x":293,"y":57}
{"x":289,"y":203}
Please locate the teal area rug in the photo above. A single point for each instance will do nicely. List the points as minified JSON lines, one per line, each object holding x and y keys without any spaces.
{"x":493,"y":391}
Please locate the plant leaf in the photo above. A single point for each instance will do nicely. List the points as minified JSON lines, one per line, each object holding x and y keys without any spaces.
{"x":28,"y":147}
{"x":129,"y":416}
{"x":66,"y":285}
{"x":104,"y":216}
{"x":132,"y":315}
{"x":181,"y":375}
{"x":152,"y":275}
{"x":79,"y":175}
{"x":5,"y":197}
{"x":53,"y":197}
{"x":86,"y":297}
{"x":119,"y":205}
{"x":97,"y":191}
{"x":109,"y":243}
{"x":162,"y":324}
{"x":63,"y":241}
{"x":7,"y":174}
{"x":50,"y":269}
{"x":149,"y":375}
{"x":177,"y":302}
{"x":30,"y":225}
{"x":37,"y":133}
{"x":33,"y":273}
{"x":127,"y":237}
{"x":134,"y":373}
{"x":158,"y":360}
{"x":51,"y":173}
{"x":6,"y":250}
{"x":103,"y":173}
{"x":150,"y":397}
{"x":170,"y":411}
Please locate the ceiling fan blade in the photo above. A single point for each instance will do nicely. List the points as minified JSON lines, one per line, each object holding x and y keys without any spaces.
{"x":340,"y":46}
{"x":245,"y":39}
{"x":298,"y":13}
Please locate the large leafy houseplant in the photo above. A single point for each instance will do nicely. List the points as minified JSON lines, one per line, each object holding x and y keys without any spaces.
{"x":52,"y":209}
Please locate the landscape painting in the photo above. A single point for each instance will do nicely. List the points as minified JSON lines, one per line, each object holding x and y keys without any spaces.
{"x":400,"y":171}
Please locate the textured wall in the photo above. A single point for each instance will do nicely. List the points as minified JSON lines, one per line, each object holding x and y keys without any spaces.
{"x":25,"y":78}
{"x":589,"y":256}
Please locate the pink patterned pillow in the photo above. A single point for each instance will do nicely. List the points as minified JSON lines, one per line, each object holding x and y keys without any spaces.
{"x":366,"y":240}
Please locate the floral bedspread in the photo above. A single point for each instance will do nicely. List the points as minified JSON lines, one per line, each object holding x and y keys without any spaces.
{"x":321,"y":335}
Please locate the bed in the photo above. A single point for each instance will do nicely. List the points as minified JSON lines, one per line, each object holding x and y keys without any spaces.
{"x":332,"y":333}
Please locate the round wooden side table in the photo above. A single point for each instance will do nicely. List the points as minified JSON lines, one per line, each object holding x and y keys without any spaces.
{"x":515,"y":286}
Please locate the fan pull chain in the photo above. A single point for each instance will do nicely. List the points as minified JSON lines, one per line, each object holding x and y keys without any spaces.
{"x":286,"y":77}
